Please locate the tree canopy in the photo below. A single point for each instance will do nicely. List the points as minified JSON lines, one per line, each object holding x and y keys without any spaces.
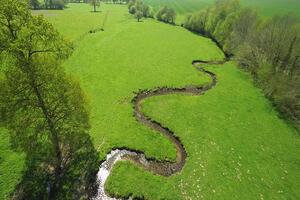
{"x":44,"y":108}
{"x":139,"y":9}
{"x":166,"y":14}
{"x":48,"y":4}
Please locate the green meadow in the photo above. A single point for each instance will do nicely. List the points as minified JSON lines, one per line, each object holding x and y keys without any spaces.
{"x":238,"y":146}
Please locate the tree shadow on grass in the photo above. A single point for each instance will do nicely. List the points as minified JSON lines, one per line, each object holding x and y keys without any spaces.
{"x":77,"y":182}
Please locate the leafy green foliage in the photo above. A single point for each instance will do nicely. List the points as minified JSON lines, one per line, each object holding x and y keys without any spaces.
{"x":48,"y":4}
{"x":138,"y":15}
{"x":34,"y":4}
{"x":139,"y":9}
{"x":272,"y":55}
{"x":166,"y":14}
{"x":132,"y":9}
{"x":43,"y":108}
{"x":216,"y":21}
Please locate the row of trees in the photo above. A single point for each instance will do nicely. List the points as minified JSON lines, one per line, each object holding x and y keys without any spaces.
{"x":140,"y":10}
{"x":60,"y":4}
{"x":268,"y":48}
{"x":48,"y":4}
{"x":78,"y":1}
{"x":44,"y":108}
{"x":105,"y":1}
{"x":116,"y":1}
{"x":94,"y":3}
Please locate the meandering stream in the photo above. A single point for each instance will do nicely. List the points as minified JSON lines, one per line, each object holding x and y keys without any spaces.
{"x":163,"y":168}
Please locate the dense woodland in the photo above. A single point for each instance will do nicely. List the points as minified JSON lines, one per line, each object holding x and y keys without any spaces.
{"x":268,"y":48}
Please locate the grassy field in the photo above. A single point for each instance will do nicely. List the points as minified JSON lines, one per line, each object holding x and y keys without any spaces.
{"x":238,"y":147}
{"x":265,"y":7}
{"x":126,"y":57}
{"x":11,"y":165}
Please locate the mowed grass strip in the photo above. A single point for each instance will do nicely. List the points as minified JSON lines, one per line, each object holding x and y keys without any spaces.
{"x":238,"y":147}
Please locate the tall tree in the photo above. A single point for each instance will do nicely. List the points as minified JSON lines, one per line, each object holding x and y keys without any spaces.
{"x":166,"y":14}
{"x":245,"y":23}
{"x":54,"y":4}
{"x":43,"y":107}
{"x":95,"y":4}
{"x":146,"y":9}
{"x":138,"y":15}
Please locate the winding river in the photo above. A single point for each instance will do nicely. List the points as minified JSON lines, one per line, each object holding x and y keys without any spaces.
{"x":163,"y":168}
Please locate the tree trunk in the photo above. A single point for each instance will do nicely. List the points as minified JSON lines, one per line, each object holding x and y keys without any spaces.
{"x":50,"y":4}
{"x":58,"y":168}
{"x":95,"y":6}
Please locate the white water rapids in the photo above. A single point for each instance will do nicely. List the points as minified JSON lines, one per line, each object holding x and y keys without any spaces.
{"x":105,"y":169}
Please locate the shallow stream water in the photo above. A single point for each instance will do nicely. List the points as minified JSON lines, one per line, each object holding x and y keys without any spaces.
{"x":105,"y":169}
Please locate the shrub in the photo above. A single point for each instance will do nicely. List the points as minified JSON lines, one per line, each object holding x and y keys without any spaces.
{"x":132,"y":10}
{"x":58,"y":4}
{"x":166,"y":14}
{"x":139,"y":9}
{"x":139,"y":15}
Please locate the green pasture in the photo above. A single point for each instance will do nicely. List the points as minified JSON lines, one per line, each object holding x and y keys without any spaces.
{"x":265,"y":7}
{"x":237,"y":145}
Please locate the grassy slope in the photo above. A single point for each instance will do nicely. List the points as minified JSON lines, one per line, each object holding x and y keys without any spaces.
{"x":73,"y":22}
{"x":273,"y":7}
{"x":266,"y":7}
{"x":129,"y":56}
{"x":126,"y":57}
